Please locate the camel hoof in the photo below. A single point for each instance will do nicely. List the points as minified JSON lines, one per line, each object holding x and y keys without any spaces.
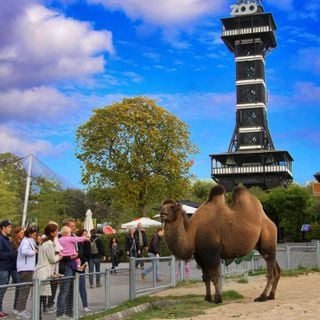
{"x":217,"y":300}
{"x":208,"y":298}
{"x":260,"y":299}
{"x":270,"y":297}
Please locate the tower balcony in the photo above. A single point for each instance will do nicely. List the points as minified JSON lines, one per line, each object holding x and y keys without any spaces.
{"x":246,"y":31}
{"x":257,"y":27}
{"x":251,"y":169}
{"x":264,"y":168}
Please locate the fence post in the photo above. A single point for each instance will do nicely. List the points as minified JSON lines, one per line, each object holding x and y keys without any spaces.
{"x":222,"y":273}
{"x":287,"y":257}
{"x":132,"y":278}
{"x":318,"y":254}
{"x":36,"y":299}
{"x":107,"y":289}
{"x":76,"y":299}
{"x":173,"y":271}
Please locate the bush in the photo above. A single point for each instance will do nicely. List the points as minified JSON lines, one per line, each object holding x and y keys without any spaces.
{"x":315,"y":231}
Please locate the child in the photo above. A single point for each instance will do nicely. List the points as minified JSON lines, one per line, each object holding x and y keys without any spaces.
{"x":68,"y":243}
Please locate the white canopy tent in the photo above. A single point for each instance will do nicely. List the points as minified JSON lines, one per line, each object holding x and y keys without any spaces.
{"x":88,"y":222}
{"x":146,"y":223}
{"x":188,"y":209}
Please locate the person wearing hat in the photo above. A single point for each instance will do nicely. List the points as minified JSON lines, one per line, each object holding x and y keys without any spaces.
{"x":7,"y":260}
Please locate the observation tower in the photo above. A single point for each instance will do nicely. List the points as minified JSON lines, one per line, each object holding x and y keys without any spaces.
{"x":251,"y":159}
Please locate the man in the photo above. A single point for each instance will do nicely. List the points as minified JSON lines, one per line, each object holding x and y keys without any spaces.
{"x":7,"y":260}
{"x":96,"y":255}
{"x":65,"y":297}
{"x":154,"y":251}
{"x":141,"y":237}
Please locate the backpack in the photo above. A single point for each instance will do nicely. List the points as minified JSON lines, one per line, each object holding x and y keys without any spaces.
{"x":94,"y":247}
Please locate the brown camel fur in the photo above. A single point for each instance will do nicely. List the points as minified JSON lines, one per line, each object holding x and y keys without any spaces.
{"x":217,"y":231}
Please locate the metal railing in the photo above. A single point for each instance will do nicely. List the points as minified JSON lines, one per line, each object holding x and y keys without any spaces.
{"x":126,"y":283}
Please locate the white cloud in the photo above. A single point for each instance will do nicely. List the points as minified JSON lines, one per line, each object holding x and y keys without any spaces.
{"x":43,"y":45}
{"x":34,"y":104}
{"x":164,"y":12}
{"x":15,"y":142}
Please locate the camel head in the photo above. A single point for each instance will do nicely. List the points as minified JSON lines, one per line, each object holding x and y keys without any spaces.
{"x":170,"y":210}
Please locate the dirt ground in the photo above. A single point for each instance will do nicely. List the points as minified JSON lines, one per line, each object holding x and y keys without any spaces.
{"x":296,"y":298}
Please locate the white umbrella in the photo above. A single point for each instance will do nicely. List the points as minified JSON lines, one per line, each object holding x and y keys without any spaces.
{"x":146,"y":223}
{"x":88,"y":222}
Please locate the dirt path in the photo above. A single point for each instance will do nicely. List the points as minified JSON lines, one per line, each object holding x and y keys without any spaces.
{"x":297,"y":298}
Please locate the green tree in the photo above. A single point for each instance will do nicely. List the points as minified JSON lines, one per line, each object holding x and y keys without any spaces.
{"x":14,"y":173}
{"x":12,"y":186}
{"x":289,"y":209}
{"x":9,"y":202}
{"x":200,"y":189}
{"x":138,"y":150}
{"x":75,"y":203}
{"x":47,"y":203}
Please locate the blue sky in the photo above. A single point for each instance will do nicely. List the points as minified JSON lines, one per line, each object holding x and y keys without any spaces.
{"x":61,"y":59}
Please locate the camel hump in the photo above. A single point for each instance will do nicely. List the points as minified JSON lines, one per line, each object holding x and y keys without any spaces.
{"x":215,"y":191}
{"x":238,"y":191}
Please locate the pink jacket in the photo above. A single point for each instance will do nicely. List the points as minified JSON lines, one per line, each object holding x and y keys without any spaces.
{"x":68,"y":244}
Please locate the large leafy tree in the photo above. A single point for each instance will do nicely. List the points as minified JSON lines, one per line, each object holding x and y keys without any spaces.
{"x":138,"y":150}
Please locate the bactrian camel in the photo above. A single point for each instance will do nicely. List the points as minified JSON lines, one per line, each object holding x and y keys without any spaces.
{"x":217,"y":231}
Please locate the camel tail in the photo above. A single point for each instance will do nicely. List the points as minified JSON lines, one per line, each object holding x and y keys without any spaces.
{"x":217,"y":190}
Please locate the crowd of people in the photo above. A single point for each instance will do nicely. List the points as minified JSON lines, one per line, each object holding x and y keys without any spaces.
{"x":55,"y":255}
{"x":26,"y":255}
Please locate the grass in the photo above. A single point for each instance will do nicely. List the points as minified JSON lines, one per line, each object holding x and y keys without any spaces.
{"x":298,"y":272}
{"x":186,"y":306}
{"x":177,"y":307}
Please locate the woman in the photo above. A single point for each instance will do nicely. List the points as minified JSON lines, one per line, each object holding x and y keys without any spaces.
{"x":26,"y":262}
{"x":18,"y":234}
{"x":84,"y":255}
{"x":47,"y":259}
{"x":114,"y":253}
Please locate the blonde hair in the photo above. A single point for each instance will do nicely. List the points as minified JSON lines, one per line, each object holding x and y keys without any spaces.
{"x":65,"y":231}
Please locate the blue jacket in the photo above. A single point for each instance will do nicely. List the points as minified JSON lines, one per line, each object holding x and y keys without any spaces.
{"x":7,"y":254}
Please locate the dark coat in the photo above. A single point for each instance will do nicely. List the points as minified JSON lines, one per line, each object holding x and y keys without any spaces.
{"x":131,"y":247}
{"x":7,"y":254}
{"x":154,"y":246}
{"x":144,"y":237}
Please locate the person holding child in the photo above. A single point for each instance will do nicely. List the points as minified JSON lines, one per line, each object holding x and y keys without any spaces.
{"x":68,"y":242}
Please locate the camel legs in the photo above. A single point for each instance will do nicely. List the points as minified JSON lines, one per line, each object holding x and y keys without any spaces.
{"x":213,"y":275}
{"x":211,"y":272}
{"x":273,"y":276}
{"x":276,"y":275}
{"x":216,"y":279}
